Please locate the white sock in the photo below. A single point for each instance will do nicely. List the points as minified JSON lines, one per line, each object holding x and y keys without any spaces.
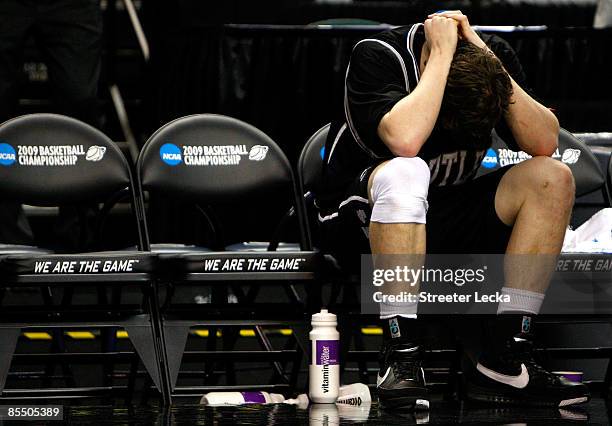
{"x":520,"y":301}
{"x":404,"y":310}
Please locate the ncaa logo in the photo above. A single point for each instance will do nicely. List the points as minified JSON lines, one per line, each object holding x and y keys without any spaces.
{"x":490,"y":159}
{"x":170,"y":154}
{"x":7,"y":154}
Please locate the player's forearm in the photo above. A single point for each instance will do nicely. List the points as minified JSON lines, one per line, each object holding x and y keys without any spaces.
{"x":406,"y":127}
{"x":534,"y":127}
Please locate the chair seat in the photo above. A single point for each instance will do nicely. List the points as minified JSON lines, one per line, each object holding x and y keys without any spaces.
{"x":177,"y":249}
{"x":8,"y":249}
{"x":171,"y":248}
{"x":96,"y":263}
{"x":259,"y":246}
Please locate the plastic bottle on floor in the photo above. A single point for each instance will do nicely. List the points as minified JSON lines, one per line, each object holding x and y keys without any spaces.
{"x":300,"y":401}
{"x":355,"y":394}
{"x":239,"y":398}
{"x":324,"y":370}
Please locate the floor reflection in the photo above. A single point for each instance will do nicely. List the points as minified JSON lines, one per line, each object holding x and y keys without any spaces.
{"x":595,"y":412}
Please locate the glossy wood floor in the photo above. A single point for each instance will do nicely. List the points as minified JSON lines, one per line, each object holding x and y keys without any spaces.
{"x":596,"y":412}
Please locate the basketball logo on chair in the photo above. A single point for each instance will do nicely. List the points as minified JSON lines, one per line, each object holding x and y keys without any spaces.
{"x":258,"y":153}
{"x":95,"y":153}
{"x":570,"y":156}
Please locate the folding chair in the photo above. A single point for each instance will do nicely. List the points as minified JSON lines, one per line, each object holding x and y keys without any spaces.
{"x":54,"y":160}
{"x":310,"y":174}
{"x":214,"y":160}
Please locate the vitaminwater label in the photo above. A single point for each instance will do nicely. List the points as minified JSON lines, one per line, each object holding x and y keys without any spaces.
{"x":326,"y":352}
{"x":253,"y":397}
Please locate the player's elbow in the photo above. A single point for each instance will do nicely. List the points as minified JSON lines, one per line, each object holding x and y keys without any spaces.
{"x":548,"y":141}
{"x":401,"y":143}
{"x":544,"y":141}
{"x":402,"y":146}
{"x":405,"y":150}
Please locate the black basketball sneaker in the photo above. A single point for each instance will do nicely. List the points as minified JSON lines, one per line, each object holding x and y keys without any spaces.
{"x":401,"y":381}
{"x":514,"y":377}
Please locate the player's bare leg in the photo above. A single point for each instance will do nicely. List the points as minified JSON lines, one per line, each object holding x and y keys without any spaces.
{"x":397,"y":228}
{"x":536,"y":198}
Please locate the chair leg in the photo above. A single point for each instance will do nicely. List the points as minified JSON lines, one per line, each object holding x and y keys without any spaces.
{"x":108,"y":340}
{"x":363,"y":365}
{"x":350,"y":298}
{"x":142,"y":338}
{"x":176,"y":339}
{"x":267,"y":345}
{"x":209,"y":366}
{"x":295,"y":371}
{"x":345,"y":339}
{"x":607,"y":384}
{"x":58,"y":345}
{"x":131,"y":385}
{"x":229,"y":338}
{"x":9,"y":337}
{"x":300,"y":332}
{"x":157,"y":330}
{"x":66,"y":369}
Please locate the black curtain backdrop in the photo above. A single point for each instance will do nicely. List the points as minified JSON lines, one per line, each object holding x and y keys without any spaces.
{"x":288,"y":81}
{"x":197,"y":13}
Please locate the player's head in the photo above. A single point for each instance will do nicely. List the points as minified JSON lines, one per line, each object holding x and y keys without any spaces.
{"x":478,"y":91}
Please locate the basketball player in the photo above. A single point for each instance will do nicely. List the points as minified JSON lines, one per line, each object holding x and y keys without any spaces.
{"x":420,"y":105}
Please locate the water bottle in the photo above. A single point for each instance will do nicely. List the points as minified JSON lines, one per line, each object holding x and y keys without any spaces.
{"x":324,"y":377}
{"x":355,"y":394}
{"x":239,"y":398}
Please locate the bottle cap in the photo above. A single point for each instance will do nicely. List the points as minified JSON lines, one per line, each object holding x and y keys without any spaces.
{"x":276,"y":398}
{"x":325,"y":318}
{"x":301,"y":401}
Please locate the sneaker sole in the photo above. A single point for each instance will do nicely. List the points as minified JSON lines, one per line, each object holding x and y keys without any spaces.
{"x":405,"y":403}
{"x":477,"y":393}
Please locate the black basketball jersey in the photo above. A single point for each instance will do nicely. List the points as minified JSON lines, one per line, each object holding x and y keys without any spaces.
{"x":382,"y":70}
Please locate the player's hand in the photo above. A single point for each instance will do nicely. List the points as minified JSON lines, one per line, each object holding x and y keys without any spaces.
{"x":465,"y":30}
{"x":442,"y":34}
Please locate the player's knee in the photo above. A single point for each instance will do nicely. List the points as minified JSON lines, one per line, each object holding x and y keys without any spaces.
{"x":399,"y":191}
{"x":555,"y":180}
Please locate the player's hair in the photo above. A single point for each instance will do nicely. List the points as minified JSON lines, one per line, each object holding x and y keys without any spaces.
{"x":478,"y":91}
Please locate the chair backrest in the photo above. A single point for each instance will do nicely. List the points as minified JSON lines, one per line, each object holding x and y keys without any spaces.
{"x":600,"y":144}
{"x":609,"y":181}
{"x":49,"y":160}
{"x":572,"y":151}
{"x":310,"y":163}
{"x":212,"y":158}
{"x":598,"y":138}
